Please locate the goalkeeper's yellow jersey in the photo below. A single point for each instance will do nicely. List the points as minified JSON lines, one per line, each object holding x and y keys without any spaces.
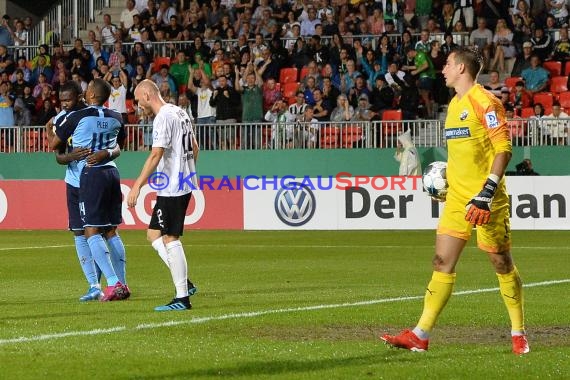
{"x":475,"y":130}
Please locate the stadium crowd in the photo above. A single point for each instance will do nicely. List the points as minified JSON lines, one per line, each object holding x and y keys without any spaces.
{"x":296,"y":61}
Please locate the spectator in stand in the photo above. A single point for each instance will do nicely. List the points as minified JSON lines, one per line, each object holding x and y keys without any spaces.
{"x":21,"y":65}
{"x":59,"y":53}
{"x":343,"y":111}
{"x":301,"y":55}
{"x":403,"y":47}
{"x":520,"y":98}
{"x":307,"y":129}
{"x":384,"y":54}
{"x":252,"y":107}
{"x":522,"y":22}
{"x":29,"y":100}
{"x":96,"y":53}
{"x":107,"y":32}
{"x":330,"y":92}
{"x":424,"y":70}
{"x":271,"y":94}
{"x":333,"y":74}
{"x":322,"y":108}
{"x":226,"y":101}
{"x":5,"y":31}
{"x":126,"y":20}
{"x":22,"y":115}
{"x":561,"y":48}
{"x":445,"y":17}
{"x":43,"y":50}
{"x":283,"y":128}
{"x":41,"y":68}
{"x":495,"y":85}
{"x":382,"y":95}
{"x":7,"y":64}
{"x":504,"y":47}
{"x":134,"y":33}
{"x":6,"y":107}
{"x":558,"y":9}
{"x":482,"y":37}
{"x":179,"y":70}
{"x":164,"y":13}
{"x":162,"y":76}
{"x":448,"y":45}
{"x":557,"y":124}
{"x":348,"y":76}
{"x":441,"y":92}
{"x":308,"y":24}
{"x":312,"y":71}
{"x":201,"y":48}
{"x":149,"y":11}
{"x":40,"y":83}
{"x":20,"y":36}
{"x":297,"y":109}
{"x":537,"y":131}
{"x":205,"y":113}
{"x":268,"y":67}
{"x":523,"y":59}
{"x":118,"y":98}
{"x":78,"y":67}
{"x":541,"y":43}
{"x":46,"y":113}
{"x":19,"y":84}
{"x":424,"y":44}
{"x":535,"y":77}
{"x":318,"y":52}
{"x":173,"y":31}
{"x":360,"y":87}
{"x":363,"y":111}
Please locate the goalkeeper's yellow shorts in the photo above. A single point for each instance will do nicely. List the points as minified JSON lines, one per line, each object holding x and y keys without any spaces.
{"x":493,"y":237}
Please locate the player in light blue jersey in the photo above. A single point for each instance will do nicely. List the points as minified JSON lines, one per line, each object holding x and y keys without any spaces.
{"x":71,"y":99}
{"x":97,"y":128}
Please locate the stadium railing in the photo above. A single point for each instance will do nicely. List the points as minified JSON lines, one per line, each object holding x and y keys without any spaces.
{"x":301,"y":135}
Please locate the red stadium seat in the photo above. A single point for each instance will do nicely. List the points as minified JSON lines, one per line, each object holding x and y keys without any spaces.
{"x":288,"y":75}
{"x":527,"y":112}
{"x":567,"y":68}
{"x":159,"y":61}
{"x":304,"y":72}
{"x":350,"y":135}
{"x":544,"y":98}
{"x":564,"y":99}
{"x":329,"y":137}
{"x":559,"y":84}
{"x":289,"y":90}
{"x":511,"y":81}
{"x":391,"y":126}
{"x":554,"y":67}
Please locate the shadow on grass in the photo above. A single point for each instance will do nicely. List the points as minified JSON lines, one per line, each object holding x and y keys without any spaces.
{"x":280,"y":367}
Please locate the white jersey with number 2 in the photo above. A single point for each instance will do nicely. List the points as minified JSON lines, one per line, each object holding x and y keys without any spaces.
{"x":176,"y":171}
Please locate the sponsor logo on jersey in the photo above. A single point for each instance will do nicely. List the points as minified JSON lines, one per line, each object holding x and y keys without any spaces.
{"x":457,"y":133}
{"x":463,"y":115}
{"x":491,"y":118}
{"x":295,"y":206}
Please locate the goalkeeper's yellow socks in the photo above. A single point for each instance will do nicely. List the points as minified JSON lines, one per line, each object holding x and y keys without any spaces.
{"x":437,"y":293}
{"x":510,"y":285}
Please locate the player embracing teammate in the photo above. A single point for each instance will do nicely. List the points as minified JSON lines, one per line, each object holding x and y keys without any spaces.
{"x":99,"y":198}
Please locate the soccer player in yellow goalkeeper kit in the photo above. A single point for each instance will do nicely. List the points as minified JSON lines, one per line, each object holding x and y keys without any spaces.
{"x":479,"y":150}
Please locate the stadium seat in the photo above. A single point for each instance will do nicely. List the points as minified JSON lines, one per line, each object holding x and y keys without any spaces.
{"x":567,"y":68}
{"x":391,"y":125}
{"x":564,"y":100}
{"x":511,"y":81}
{"x":304,"y":72}
{"x":559,"y":84}
{"x":544,"y":98}
{"x":32,"y":141}
{"x":554,"y":67}
{"x":159,"y":61}
{"x":518,"y":128}
{"x":329,"y":137}
{"x":131,"y":112}
{"x":527,"y":112}
{"x":288,"y":75}
{"x":289,"y":90}
{"x":350,"y":136}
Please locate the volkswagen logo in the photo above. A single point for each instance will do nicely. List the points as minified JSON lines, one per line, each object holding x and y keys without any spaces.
{"x":295,"y":204}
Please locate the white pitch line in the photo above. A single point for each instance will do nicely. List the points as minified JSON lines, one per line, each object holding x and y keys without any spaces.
{"x":198,"y":320}
{"x":288,"y":246}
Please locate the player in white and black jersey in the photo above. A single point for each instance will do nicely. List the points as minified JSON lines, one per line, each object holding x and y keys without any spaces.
{"x":169,"y":166}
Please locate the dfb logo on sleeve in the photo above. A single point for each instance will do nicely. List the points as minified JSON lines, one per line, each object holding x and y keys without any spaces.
{"x":491,"y":118}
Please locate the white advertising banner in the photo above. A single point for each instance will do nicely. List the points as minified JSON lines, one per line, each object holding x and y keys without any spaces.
{"x":369,"y":203}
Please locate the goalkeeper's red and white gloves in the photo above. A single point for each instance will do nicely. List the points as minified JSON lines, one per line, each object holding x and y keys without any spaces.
{"x":479,"y":207}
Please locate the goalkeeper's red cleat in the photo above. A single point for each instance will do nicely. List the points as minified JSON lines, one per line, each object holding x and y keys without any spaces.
{"x":520,"y":345}
{"x":408,"y":340}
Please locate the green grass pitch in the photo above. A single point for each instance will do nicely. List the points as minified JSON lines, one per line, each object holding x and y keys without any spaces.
{"x":279,"y":305}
